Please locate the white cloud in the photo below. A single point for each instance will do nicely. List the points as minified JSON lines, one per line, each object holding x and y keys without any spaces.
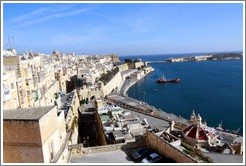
{"x":46,"y":13}
{"x":29,"y":15}
{"x":53,"y":16}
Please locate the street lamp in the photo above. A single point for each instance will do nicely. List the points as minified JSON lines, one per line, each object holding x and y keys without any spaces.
{"x":144,"y":94}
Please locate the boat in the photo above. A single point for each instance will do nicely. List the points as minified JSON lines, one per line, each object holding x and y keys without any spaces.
{"x":164,"y":80}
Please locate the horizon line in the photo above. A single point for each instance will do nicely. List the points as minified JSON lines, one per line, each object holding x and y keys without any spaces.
{"x":144,"y":54}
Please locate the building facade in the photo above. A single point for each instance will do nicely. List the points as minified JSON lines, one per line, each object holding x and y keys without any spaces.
{"x":34,"y":135}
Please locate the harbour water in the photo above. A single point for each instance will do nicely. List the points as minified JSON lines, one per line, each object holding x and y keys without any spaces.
{"x":214,"y":89}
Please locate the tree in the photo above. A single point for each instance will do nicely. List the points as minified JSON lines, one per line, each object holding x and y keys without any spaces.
{"x":92,"y":97}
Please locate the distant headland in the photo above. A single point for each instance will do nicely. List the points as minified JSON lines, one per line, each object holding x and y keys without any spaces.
{"x":208,"y":57}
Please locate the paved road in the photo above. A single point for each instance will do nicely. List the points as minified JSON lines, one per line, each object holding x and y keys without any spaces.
{"x":153,"y":122}
{"x":224,"y":158}
{"x":118,"y":156}
{"x":134,"y":104}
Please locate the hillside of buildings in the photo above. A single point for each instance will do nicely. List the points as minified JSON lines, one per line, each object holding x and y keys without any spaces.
{"x":62,"y":108}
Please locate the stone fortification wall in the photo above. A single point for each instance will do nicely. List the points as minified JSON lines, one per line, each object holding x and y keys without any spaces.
{"x":79,"y":149}
{"x":123,"y":67}
{"x":112,"y":84}
{"x":88,"y":93}
{"x":164,"y":148}
{"x":100,"y":131}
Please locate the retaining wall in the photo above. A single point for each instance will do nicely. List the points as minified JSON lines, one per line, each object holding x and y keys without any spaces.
{"x":113,"y":147}
{"x":164,"y":148}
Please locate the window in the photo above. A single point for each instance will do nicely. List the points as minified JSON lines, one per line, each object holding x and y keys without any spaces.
{"x":12,"y":85}
{"x":51,"y":151}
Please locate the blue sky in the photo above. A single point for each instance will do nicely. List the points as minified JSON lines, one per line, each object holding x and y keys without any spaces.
{"x":125,"y":29}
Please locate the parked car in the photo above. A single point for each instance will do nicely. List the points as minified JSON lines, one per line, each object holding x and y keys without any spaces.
{"x":166,"y":160}
{"x":140,"y":153}
{"x":152,"y":158}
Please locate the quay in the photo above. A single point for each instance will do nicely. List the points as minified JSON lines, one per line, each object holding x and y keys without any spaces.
{"x":142,"y":107}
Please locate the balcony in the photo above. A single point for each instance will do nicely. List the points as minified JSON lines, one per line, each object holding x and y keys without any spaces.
{"x":6,"y":93}
{"x":41,"y":76}
{"x":29,"y":84}
{"x":4,"y":77}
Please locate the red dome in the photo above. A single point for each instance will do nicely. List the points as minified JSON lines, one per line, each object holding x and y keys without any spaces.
{"x":196,"y":133}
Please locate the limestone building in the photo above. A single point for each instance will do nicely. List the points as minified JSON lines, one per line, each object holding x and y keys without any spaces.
{"x":35,"y":135}
{"x":10,"y":90}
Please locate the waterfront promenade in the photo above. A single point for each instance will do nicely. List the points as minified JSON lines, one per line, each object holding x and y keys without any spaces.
{"x":144,"y":108}
{"x":151,"y":62}
{"x":127,"y":84}
{"x":120,"y":98}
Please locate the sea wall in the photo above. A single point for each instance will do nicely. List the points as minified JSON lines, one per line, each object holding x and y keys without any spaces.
{"x":134,"y":78}
{"x":127,"y":84}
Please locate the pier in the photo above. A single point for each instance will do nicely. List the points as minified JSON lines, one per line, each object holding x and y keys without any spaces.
{"x":151,"y":62}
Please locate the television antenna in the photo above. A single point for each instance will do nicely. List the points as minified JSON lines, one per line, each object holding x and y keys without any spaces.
{"x":11,"y":39}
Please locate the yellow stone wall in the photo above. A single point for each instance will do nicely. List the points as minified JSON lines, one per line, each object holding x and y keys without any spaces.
{"x":20,"y":154}
{"x":164,"y":148}
{"x":9,"y":60}
{"x":138,"y":64}
{"x":123,"y":67}
{"x":21,"y":141}
{"x":112,"y":84}
{"x":34,"y":140}
{"x":10,"y":82}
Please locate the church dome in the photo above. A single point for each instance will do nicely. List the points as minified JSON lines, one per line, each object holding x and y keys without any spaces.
{"x":196,"y":133}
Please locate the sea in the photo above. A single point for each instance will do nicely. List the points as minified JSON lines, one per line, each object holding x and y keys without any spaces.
{"x":213,"y":89}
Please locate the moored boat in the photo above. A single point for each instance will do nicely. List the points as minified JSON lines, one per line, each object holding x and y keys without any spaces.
{"x":164,"y":80}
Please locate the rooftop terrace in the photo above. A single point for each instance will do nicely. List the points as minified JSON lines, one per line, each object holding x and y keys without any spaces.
{"x":26,"y":113}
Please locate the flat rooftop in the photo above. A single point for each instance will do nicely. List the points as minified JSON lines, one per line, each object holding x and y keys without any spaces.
{"x":66,"y":100}
{"x":34,"y":113}
{"x":88,"y":106}
{"x":152,"y":121}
